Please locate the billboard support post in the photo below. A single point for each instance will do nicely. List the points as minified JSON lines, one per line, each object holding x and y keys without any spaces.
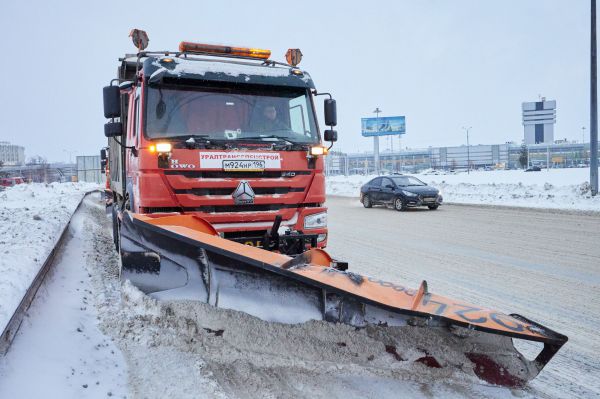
{"x":376,"y":141}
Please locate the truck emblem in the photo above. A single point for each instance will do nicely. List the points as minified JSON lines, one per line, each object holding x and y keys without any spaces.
{"x":243,"y":194}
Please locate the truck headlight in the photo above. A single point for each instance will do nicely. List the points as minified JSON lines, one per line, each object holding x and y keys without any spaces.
{"x":163,"y":147}
{"x":315,"y":221}
{"x":318,"y":150}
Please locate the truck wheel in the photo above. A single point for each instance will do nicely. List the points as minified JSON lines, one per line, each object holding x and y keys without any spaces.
{"x":399,"y":205}
{"x":367,"y":202}
{"x":432,"y":207}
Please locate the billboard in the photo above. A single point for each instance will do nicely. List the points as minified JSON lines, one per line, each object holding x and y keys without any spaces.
{"x":383,"y":126}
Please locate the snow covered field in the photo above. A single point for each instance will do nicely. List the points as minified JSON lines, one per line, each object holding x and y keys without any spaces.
{"x":555,"y":188}
{"x":32,"y":216}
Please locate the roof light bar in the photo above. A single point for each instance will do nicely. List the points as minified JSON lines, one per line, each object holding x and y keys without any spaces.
{"x":200,"y":48}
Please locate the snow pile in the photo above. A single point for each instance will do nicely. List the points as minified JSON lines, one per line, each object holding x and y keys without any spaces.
{"x":59,"y":344}
{"x":556,"y":188}
{"x":32,"y":218}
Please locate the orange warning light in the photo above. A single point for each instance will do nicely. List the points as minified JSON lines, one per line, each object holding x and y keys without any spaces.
{"x":200,"y":48}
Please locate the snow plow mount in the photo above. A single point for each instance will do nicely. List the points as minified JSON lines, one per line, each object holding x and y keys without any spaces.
{"x":183,"y":257}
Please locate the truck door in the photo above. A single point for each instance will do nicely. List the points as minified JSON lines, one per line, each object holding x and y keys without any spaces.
{"x":133,"y":132}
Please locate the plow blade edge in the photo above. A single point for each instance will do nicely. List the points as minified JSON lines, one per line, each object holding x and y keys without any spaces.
{"x":183,"y":257}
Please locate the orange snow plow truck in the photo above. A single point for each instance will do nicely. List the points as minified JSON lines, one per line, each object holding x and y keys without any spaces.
{"x":216,"y":187}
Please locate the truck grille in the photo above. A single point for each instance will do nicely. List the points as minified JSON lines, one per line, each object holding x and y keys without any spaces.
{"x":232,"y":208}
{"x":228,"y":191}
{"x":236,"y":175}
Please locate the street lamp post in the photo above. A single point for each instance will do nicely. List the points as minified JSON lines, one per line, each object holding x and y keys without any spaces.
{"x":376,"y":140}
{"x":468,"y":149}
{"x":593,"y":104}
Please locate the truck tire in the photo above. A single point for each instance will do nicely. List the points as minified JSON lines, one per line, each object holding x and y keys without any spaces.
{"x":115,"y":226}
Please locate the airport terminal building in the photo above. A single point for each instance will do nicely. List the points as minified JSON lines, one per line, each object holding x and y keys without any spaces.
{"x":495,"y":156}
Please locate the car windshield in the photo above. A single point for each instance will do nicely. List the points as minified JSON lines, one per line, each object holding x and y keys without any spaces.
{"x":230,"y":113}
{"x":404,"y":181}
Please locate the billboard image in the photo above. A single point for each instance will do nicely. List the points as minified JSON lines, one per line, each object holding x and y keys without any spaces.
{"x":383,"y":126}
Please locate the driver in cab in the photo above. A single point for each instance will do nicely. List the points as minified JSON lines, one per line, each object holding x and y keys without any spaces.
{"x":269,"y":121}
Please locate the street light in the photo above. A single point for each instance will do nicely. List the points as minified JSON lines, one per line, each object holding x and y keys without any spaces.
{"x":593,"y":103}
{"x":468,"y":151}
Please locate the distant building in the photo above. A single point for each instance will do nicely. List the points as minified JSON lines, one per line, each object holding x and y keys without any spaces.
{"x":538,"y":121}
{"x":11,"y":155}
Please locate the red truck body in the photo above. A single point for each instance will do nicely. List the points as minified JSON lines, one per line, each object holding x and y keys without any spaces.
{"x":283,"y":174}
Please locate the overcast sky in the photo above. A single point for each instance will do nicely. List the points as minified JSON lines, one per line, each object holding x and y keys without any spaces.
{"x":442,"y":64}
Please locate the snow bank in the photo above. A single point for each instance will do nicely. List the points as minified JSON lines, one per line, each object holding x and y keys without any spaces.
{"x":556,"y":188}
{"x":32,"y":217}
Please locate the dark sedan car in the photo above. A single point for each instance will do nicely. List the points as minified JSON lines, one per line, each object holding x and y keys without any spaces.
{"x":400,"y":191}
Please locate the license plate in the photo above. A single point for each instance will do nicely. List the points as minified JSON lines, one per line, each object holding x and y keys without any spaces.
{"x":428,"y":199}
{"x":244,"y":165}
{"x":250,"y":241}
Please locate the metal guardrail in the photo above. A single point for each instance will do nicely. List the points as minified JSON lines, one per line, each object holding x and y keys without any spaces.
{"x":13,"y":325}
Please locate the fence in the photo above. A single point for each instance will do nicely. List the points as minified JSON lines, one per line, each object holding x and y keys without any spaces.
{"x":88,"y":169}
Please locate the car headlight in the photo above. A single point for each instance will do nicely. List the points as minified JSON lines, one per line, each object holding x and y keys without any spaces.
{"x":408,"y":193}
{"x":315,"y":221}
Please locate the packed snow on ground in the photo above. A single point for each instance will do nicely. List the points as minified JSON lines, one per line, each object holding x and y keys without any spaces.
{"x":554,"y":188}
{"x":32,"y":217}
{"x":89,"y":335}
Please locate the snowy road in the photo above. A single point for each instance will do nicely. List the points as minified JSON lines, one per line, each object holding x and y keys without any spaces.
{"x":90,"y":336}
{"x":541,"y":264}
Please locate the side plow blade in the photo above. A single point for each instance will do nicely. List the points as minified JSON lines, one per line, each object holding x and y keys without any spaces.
{"x":183,"y":257}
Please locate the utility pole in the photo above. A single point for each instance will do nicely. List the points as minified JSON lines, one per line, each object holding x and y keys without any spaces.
{"x":593,"y":105}
{"x":583,"y":134}
{"x":468,"y":149}
{"x":376,"y":140}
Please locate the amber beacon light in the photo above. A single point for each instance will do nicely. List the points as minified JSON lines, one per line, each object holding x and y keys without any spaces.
{"x":200,"y":48}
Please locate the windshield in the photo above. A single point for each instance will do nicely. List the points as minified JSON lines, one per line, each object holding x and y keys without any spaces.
{"x":404,"y":181}
{"x":234,"y":113}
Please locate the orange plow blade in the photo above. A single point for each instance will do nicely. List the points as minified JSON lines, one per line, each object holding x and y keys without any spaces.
{"x":182,"y":257}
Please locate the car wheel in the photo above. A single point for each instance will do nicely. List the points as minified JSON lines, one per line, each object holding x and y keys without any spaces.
{"x":432,"y":207}
{"x":367,"y":202}
{"x":399,"y":204}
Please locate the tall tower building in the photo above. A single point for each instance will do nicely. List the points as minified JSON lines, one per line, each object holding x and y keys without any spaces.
{"x":538,"y":121}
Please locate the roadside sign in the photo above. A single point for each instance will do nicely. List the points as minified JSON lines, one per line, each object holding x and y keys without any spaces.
{"x":383,"y":126}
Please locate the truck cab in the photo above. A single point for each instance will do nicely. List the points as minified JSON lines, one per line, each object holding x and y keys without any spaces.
{"x":232,"y":139}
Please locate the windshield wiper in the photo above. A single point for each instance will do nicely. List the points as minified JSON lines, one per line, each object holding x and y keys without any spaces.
{"x":190,"y":136}
{"x":268,"y":137}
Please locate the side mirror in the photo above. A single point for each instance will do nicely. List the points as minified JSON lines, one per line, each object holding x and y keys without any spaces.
{"x":112,"y":129}
{"x":330,"y":135}
{"x":112,"y":101}
{"x":389,"y":186}
{"x":330,"y":112}
{"x":103,"y":154}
